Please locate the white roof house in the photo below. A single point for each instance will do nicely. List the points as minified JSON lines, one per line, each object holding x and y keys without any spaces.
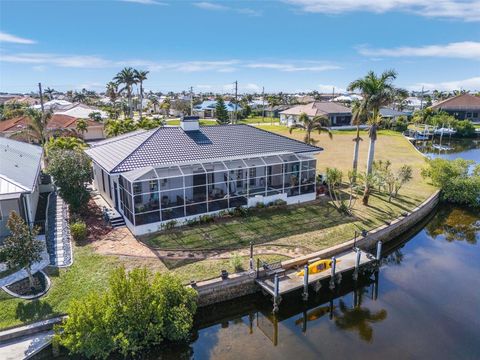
{"x":54,"y":105}
{"x":81,"y":111}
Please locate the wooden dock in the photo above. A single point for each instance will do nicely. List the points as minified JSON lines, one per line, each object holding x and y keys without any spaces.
{"x":290,"y":281}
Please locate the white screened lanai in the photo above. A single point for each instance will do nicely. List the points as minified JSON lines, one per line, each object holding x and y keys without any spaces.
{"x":163,"y":193}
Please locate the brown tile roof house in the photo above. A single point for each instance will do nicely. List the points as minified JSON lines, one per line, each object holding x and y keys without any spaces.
{"x":57,"y":122}
{"x":337,"y":113}
{"x":464,"y":106}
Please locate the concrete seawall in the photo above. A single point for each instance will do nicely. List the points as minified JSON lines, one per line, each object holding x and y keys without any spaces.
{"x":218,"y":290}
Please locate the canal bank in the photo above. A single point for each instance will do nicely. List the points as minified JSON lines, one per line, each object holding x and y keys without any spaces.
{"x":236,"y":285}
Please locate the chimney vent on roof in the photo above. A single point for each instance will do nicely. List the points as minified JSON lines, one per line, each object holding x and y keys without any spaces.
{"x":189,"y":123}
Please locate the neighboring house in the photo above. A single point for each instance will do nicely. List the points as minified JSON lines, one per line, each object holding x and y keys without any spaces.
{"x":348,"y":98}
{"x":58,"y":123}
{"x":178,"y":173}
{"x":25,"y":100}
{"x":413,"y":103}
{"x":338,"y":114}
{"x":207,"y":109}
{"x":81,"y":111}
{"x":392,"y":114}
{"x":19,"y":181}
{"x":463,"y":107}
{"x":274,"y":111}
{"x":54,"y":105}
{"x":304,"y":99}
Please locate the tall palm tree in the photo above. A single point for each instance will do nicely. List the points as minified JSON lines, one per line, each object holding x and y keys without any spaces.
{"x":318,"y":123}
{"x":377,"y":91}
{"x":128,"y":78}
{"x":358,"y":118}
{"x":141,"y":76}
{"x":49,"y":92}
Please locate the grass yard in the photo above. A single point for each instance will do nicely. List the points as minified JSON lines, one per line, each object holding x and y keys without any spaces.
{"x":260,"y":120}
{"x":314,"y":226}
{"x":90,"y":273}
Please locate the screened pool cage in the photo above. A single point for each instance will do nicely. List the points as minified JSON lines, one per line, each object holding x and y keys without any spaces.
{"x":155,"y":194}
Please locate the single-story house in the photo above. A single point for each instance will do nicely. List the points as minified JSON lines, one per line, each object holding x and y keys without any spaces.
{"x":81,"y":111}
{"x":338,"y":114}
{"x":274,"y":111}
{"x":57,"y":123}
{"x":54,"y":105}
{"x":179,"y":173}
{"x":25,"y":100}
{"x":207,"y":109}
{"x":392,"y":114}
{"x":463,"y":107}
{"x":19,"y":181}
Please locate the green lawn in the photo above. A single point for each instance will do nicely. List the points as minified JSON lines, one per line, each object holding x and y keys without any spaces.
{"x":259,"y":120}
{"x":90,"y":272}
{"x":314,"y":226}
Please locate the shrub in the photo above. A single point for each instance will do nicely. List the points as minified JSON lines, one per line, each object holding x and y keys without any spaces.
{"x":241,"y":211}
{"x":260,"y":205}
{"x":401,"y":124}
{"x":78,"y":229}
{"x":205,"y":219}
{"x":170,"y":224}
{"x":237,"y":263}
{"x":464,"y":128}
{"x":458,"y":184}
{"x":136,"y":312}
{"x":279,"y":202}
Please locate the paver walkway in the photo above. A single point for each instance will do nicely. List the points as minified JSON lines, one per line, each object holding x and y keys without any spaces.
{"x":58,"y":232}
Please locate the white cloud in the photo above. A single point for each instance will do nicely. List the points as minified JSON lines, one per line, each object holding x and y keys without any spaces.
{"x":324,"y":88}
{"x":145,"y":2}
{"x":292,"y":67}
{"x":4,"y":37}
{"x":210,"y":6}
{"x":467,"y":10}
{"x":465,"y":84}
{"x":205,"y":5}
{"x":72,"y":61}
{"x":462,"y":50}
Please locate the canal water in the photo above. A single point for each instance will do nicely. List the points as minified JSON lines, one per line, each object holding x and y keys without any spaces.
{"x":424,"y":303}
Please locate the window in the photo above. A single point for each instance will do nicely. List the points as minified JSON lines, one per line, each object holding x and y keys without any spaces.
{"x":252,"y":172}
{"x":103,"y":180}
{"x":469,"y":115}
{"x":475,"y":115}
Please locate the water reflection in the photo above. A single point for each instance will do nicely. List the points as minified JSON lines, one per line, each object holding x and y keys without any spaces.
{"x":455,"y":224}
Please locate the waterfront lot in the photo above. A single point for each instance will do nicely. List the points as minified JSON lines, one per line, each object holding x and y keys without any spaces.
{"x":306,"y":227}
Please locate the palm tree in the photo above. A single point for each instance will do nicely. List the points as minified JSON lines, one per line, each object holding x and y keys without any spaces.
{"x":358,"y":117}
{"x":49,"y":92}
{"x":377,"y":91}
{"x":82,"y":126}
{"x":80,"y":97}
{"x":318,"y":123}
{"x":37,"y":127}
{"x":166,"y":105}
{"x":128,"y":78}
{"x":141,"y":76}
{"x":154,"y":102}
{"x":112,"y":91}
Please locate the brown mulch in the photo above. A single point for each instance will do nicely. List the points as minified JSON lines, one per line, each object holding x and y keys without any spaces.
{"x":22,"y":287}
{"x":97,"y":228}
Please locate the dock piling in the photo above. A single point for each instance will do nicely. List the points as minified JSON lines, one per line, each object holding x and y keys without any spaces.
{"x":358,"y":255}
{"x":276,"y":294}
{"x":333,"y":270}
{"x":379,"y":250}
{"x":251,"y":256}
{"x":305,"y":283}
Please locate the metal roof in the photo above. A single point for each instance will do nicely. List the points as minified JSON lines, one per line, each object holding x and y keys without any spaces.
{"x":19,"y":165}
{"x":172,"y":145}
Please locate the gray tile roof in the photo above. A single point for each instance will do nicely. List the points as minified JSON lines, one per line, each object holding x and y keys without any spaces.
{"x":19,"y":162}
{"x":172,"y":145}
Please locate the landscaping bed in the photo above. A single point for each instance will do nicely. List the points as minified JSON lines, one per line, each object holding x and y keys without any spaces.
{"x":23,"y":289}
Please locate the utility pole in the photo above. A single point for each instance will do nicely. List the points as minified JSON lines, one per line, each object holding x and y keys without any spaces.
{"x":263,"y":104}
{"x":41,"y":97}
{"x":421,"y":100}
{"x":191,"y":100}
{"x":236,"y":93}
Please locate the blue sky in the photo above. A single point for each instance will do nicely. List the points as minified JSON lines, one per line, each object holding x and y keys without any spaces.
{"x":291,"y":45}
